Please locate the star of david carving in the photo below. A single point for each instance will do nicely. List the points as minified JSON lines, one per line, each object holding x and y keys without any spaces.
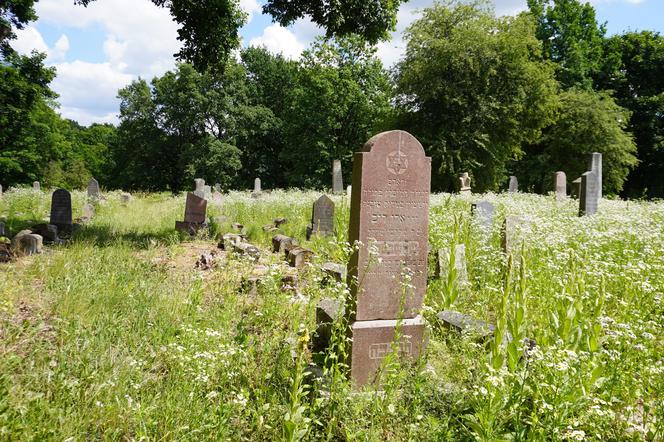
{"x":397,"y":162}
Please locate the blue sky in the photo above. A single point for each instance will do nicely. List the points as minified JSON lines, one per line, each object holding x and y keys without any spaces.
{"x":101,"y":48}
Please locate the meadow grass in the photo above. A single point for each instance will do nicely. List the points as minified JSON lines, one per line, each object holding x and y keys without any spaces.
{"x":116,"y":336}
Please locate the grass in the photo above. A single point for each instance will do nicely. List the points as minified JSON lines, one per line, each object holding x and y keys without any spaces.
{"x":117,"y":337}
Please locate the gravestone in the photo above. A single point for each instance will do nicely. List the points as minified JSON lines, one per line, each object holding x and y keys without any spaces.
{"x":61,"y":215}
{"x":514,"y":185}
{"x":576,"y":188}
{"x":464,"y":184}
{"x":483,"y":210}
{"x":257,"y":186}
{"x":389,"y":216}
{"x":27,"y":243}
{"x":88,"y":211}
{"x":322,"y":218}
{"x":93,"y":188}
{"x":589,"y":194}
{"x":125,"y":198}
{"x":515,"y":228}
{"x":595,"y":165}
{"x":337,"y":178}
{"x":207,"y":192}
{"x":0,"y":189}
{"x":349,"y":191}
{"x":36,"y":186}
{"x":195,"y":214}
{"x":443,"y":263}
{"x":199,"y":189}
{"x":560,"y":185}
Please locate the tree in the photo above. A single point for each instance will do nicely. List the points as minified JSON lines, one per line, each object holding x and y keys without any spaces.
{"x":635,"y":74}
{"x":341,"y":97}
{"x":473,"y":89}
{"x":571,"y":37}
{"x":587,"y":122}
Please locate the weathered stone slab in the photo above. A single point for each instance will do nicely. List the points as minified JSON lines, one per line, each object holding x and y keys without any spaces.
{"x":514,"y":184}
{"x":560,"y":185}
{"x":374,"y":340}
{"x":595,"y":165}
{"x":48,"y":232}
{"x":337,"y":177}
{"x":328,"y":310}
{"x":484,"y":211}
{"x":443,"y":263}
{"x":195,"y":210}
{"x":589,"y":196}
{"x":93,"y":188}
{"x":282,"y":243}
{"x":244,"y":248}
{"x":61,"y":215}
{"x":278,"y":222}
{"x":465,"y":324}
{"x":228,"y":240}
{"x":389,"y":215}
{"x":322,"y":218}
{"x":334,"y":271}
{"x":36,"y":186}
{"x":298,"y":256}
{"x":515,"y":228}
{"x":27,"y":243}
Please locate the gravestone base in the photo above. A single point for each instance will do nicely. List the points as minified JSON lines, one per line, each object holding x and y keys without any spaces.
{"x":328,"y":310}
{"x":373,"y":341}
{"x":190,"y":228}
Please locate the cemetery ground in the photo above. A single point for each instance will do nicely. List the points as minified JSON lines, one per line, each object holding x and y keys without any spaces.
{"x":117,"y":335}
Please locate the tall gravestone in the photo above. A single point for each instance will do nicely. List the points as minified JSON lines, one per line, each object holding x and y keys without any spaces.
{"x":93,"y":188}
{"x":483,"y":211}
{"x":560,"y":185}
{"x":61,"y":215}
{"x":36,"y":186}
{"x":195,"y":214}
{"x":390,"y":216}
{"x":199,"y":189}
{"x":337,"y":178}
{"x":595,"y":166}
{"x":514,"y":184}
{"x":322,"y":217}
{"x":464,"y":184}
{"x":257,"y":187}
{"x":0,"y":189}
{"x":589,"y":194}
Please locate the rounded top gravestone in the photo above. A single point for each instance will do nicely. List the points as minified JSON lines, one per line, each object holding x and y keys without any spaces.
{"x":389,"y":217}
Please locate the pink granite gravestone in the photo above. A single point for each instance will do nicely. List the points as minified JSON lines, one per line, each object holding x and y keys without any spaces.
{"x":388,"y":274}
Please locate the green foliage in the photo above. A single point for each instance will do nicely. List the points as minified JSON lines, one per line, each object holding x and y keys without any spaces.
{"x":571,"y":37}
{"x":473,"y":89}
{"x":635,"y":74}
{"x":587,"y":122}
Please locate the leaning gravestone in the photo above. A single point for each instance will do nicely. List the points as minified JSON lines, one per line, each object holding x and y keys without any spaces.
{"x":322,"y":218}
{"x":464,"y":184}
{"x":337,"y":178}
{"x":514,"y":184}
{"x":589,"y":194}
{"x":61,"y":215}
{"x":93,"y":188}
{"x":36,"y":186}
{"x":595,"y":165}
{"x":389,"y":214}
{"x":560,"y":185}
{"x":195,"y":213}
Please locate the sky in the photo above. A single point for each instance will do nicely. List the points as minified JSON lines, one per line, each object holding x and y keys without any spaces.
{"x":102,"y":48}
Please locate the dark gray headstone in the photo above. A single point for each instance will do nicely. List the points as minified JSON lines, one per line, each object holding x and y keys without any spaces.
{"x":589,"y":196}
{"x":61,"y":215}
{"x":337,"y":177}
{"x":322,"y":217}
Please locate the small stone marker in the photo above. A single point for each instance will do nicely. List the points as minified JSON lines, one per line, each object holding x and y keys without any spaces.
{"x":576,"y":188}
{"x":27,"y":243}
{"x":61,"y":215}
{"x":335,"y":271}
{"x":228,"y":240}
{"x":484,"y":211}
{"x":589,"y":196}
{"x":88,"y":212}
{"x":389,"y":214}
{"x":514,"y":184}
{"x":514,"y":228}
{"x":322,"y":218}
{"x":257,"y":188}
{"x":328,"y":310}
{"x":195,"y":214}
{"x":595,"y":165}
{"x":36,"y":186}
{"x":464,"y":184}
{"x":560,"y":185}
{"x":298,"y":256}
{"x":244,"y":248}
{"x":337,"y":178}
{"x":465,"y":324}
{"x":93,"y":188}
{"x":282,"y":243}
{"x":443,"y":263}
{"x":125,"y":198}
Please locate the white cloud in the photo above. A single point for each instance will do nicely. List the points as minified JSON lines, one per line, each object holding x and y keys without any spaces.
{"x":251,"y":7}
{"x":279,"y":40}
{"x":30,"y":39}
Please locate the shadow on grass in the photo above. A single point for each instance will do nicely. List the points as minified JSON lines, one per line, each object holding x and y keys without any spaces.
{"x":104,"y":236}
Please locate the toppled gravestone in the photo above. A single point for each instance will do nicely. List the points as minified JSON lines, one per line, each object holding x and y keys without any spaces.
{"x":27,"y":243}
{"x":244,"y":248}
{"x":299,"y":256}
{"x":229,"y":240}
{"x":283,"y":243}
